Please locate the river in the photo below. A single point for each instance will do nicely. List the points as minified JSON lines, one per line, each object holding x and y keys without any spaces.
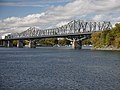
{"x":54,"y":68}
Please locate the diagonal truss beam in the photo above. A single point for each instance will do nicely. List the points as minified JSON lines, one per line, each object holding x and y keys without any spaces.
{"x":73,"y":27}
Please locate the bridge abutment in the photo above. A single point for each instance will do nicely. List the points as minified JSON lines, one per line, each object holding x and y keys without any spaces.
{"x":32,"y":44}
{"x":20,"y":43}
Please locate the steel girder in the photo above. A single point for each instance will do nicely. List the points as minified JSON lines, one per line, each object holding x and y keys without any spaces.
{"x":73,"y":27}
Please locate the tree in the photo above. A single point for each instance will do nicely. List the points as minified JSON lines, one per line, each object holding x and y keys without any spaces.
{"x":0,"y":42}
{"x":96,"y":39}
{"x":48,"y":41}
{"x":14,"y":42}
{"x":63,"y":42}
{"x":86,"y":42}
{"x":117,"y":40}
{"x":107,"y":37}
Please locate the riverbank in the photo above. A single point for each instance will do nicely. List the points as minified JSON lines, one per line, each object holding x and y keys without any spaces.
{"x":1,"y":46}
{"x":109,"y":49}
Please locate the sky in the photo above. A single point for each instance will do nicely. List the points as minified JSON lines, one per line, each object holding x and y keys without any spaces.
{"x":19,"y":15}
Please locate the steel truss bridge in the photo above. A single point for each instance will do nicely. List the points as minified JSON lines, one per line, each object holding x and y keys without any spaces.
{"x":76,"y":31}
{"x":76,"y":27}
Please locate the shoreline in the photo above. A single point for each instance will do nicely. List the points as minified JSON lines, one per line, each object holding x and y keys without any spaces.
{"x":106,"y":49}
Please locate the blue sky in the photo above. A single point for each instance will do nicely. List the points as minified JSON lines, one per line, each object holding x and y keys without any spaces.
{"x":18,"y":11}
{"x":18,"y":15}
{"x":19,"y":8}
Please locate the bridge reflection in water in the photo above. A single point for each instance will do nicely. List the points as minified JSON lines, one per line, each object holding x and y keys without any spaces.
{"x":75,"y":31}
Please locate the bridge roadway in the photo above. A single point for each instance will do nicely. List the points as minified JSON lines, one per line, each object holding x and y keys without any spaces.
{"x":47,"y":36}
{"x":74,"y":30}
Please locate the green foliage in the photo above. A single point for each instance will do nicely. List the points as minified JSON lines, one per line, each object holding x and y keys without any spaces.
{"x":53,"y":41}
{"x":48,"y":41}
{"x":0,"y":42}
{"x":86,"y":42}
{"x":107,"y":38}
{"x":96,"y":39}
{"x":14,"y":42}
{"x":103,"y":37}
{"x":25,"y":42}
{"x":117,"y":40}
{"x":63,"y":42}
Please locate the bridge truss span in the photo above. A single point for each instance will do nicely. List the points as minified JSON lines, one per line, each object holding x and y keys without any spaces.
{"x":73,"y":27}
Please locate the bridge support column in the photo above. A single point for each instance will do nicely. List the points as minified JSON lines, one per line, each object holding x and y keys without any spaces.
{"x":1,"y":43}
{"x":20,"y":43}
{"x":77,"y":44}
{"x":5,"y":43}
{"x":10,"y":43}
{"x":32,"y":43}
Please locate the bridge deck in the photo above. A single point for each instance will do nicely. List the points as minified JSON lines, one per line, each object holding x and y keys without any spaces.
{"x":73,"y":28}
{"x":48,"y":36}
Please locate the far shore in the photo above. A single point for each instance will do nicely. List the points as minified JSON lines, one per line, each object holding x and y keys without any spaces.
{"x":109,"y":49}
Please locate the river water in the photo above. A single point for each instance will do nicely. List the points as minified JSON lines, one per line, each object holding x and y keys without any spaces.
{"x":52,"y":68}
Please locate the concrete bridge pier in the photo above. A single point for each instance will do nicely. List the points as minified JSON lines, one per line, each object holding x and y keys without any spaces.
{"x":77,"y":44}
{"x":5,"y":43}
{"x":1,"y":43}
{"x":32,"y":44}
{"x":20,"y":43}
{"x":10,"y":43}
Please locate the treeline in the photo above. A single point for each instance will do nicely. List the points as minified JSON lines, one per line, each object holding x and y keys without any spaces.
{"x":25,"y":42}
{"x":87,"y":42}
{"x":46,"y":42}
{"x":108,"y":38}
{"x":53,"y":41}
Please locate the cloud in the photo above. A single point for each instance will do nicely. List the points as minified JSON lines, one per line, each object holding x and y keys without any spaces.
{"x":98,"y":10}
{"x":117,"y":19}
{"x":62,"y":23}
{"x":31,"y":3}
{"x":19,"y":4}
{"x":102,"y":17}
